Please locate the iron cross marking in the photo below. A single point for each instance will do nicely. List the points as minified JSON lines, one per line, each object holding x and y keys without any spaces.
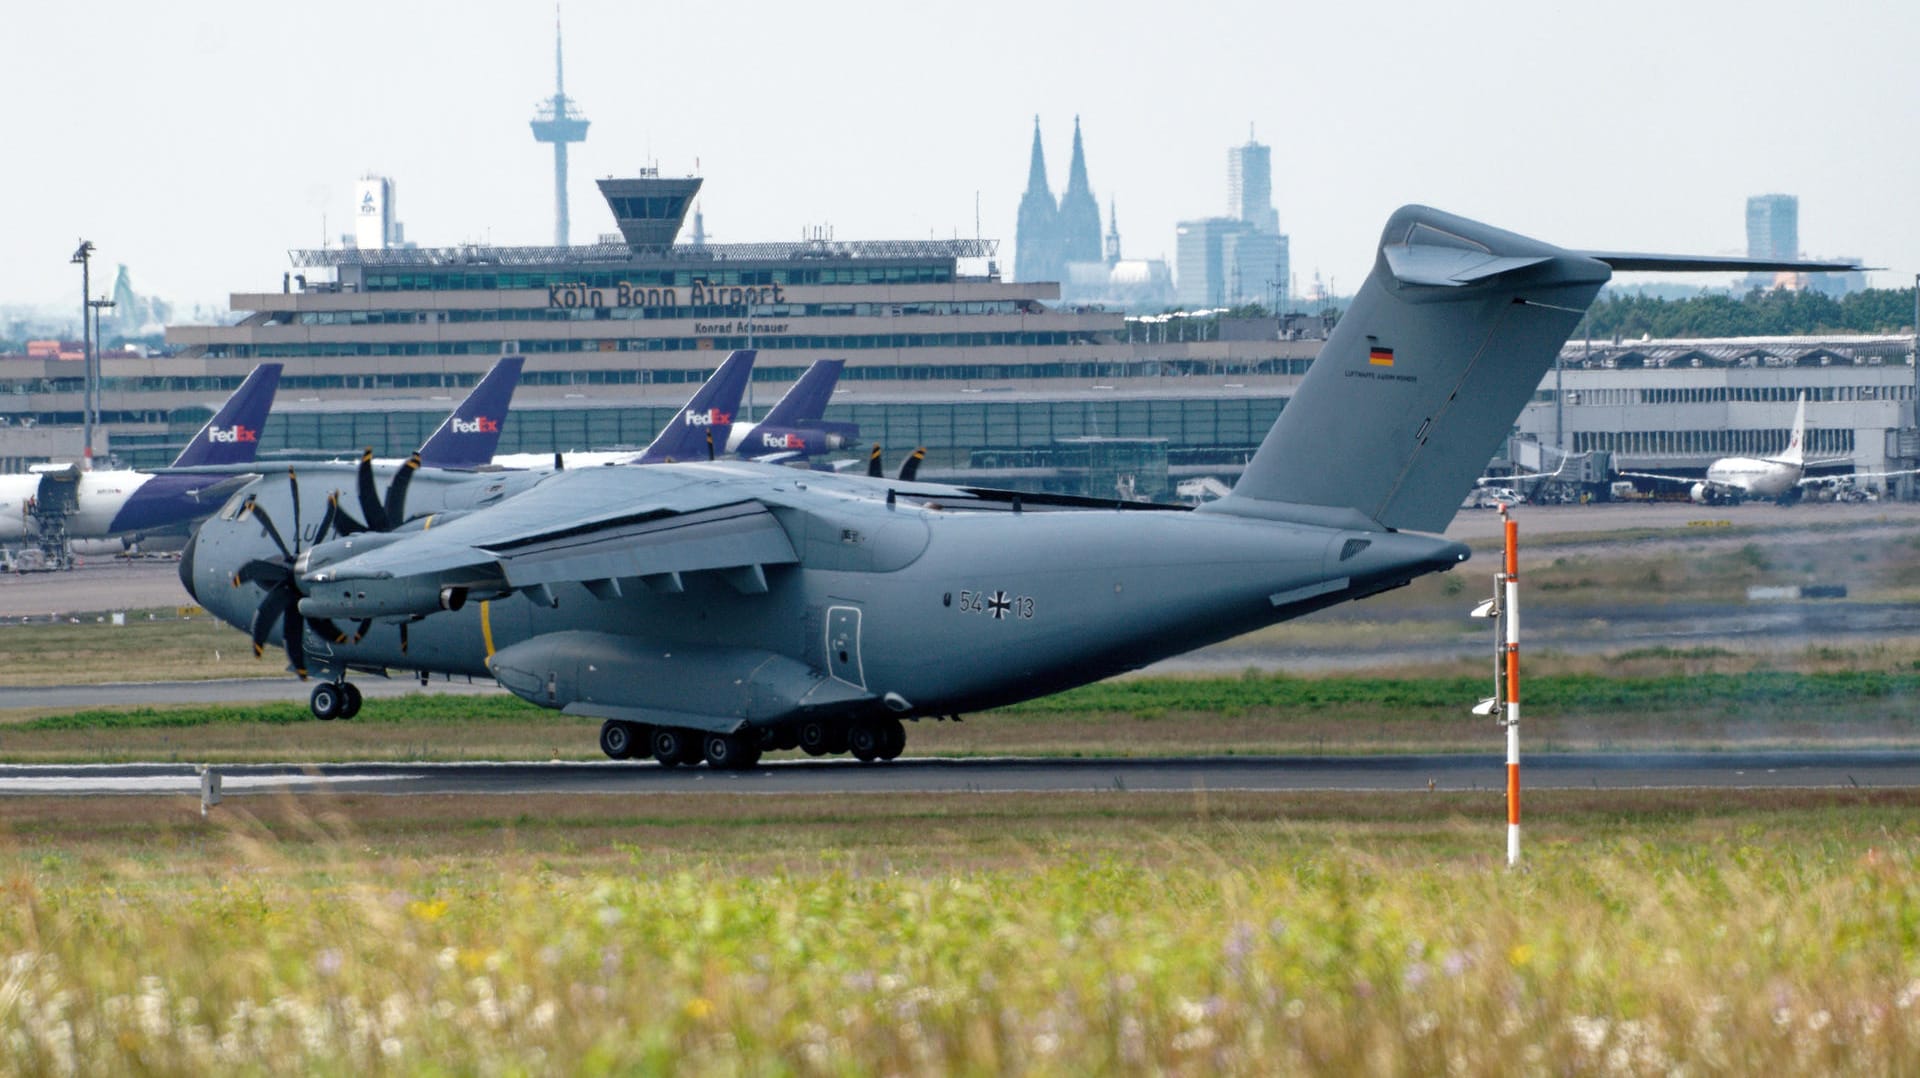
{"x":999,"y":604}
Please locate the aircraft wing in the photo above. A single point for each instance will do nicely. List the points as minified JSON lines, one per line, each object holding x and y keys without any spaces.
{"x":575,"y":527}
{"x":1664,"y":478}
{"x":1847,"y":477}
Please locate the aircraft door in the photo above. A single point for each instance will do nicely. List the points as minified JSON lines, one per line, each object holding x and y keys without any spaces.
{"x":843,"y":645}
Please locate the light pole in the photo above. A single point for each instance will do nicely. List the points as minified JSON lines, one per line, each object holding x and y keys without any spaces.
{"x":83,"y":255}
{"x":93,"y":374}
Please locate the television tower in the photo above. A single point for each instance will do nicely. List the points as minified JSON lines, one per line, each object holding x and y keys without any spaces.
{"x":559,"y":122}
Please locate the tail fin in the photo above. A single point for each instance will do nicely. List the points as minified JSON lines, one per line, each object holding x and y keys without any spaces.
{"x":1796,"y":453}
{"x":1422,"y":378}
{"x":468,"y":437}
{"x":232,"y":436}
{"x":709,"y":412}
{"x":809,"y":396}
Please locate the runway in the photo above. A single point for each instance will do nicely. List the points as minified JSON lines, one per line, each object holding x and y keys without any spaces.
{"x":1450,"y":773}
{"x":268,"y":690}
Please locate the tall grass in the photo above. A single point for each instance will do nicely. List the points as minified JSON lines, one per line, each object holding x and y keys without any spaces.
{"x":1187,"y":950}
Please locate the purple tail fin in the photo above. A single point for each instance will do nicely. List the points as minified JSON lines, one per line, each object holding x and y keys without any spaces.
{"x":709,"y":412}
{"x":808,"y":398}
{"x":468,"y":437}
{"x":232,"y":436}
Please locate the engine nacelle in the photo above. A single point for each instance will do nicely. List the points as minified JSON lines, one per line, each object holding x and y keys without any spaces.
{"x":1699,"y":493}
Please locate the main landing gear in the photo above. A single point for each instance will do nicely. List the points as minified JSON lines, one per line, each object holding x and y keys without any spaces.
{"x":672,"y":746}
{"x":334,"y":700}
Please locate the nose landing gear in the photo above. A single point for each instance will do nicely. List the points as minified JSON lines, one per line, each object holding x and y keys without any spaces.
{"x":334,"y":700}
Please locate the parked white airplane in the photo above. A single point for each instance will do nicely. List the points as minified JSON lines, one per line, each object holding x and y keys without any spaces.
{"x":1780,"y":477}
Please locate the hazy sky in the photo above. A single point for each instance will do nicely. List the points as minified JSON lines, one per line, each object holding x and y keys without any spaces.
{"x":197,"y":142}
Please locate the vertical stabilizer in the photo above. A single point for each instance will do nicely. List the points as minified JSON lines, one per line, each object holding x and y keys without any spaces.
{"x":469,"y":437}
{"x":1796,"y":453}
{"x":704,"y":423}
{"x":1422,"y":379}
{"x":232,"y":436}
{"x":808,"y":397}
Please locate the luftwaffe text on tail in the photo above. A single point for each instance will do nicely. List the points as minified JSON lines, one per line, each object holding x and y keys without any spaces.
{"x":717,"y":609}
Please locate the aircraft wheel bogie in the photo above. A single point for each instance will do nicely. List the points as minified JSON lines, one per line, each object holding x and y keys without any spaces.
{"x":732,"y":752}
{"x":893,"y":738}
{"x":816,"y":737}
{"x":622,"y":740}
{"x":673,"y":746}
{"x":325,"y":701}
{"x":350,"y":700}
{"x":865,"y":741}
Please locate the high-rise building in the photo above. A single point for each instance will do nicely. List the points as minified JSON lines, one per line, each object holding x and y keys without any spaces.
{"x":375,"y":228}
{"x":1225,"y":262}
{"x":1250,"y":185}
{"x":1773,"y":226}
{"x":1037,"y":254}
{"x":1242,"y":257}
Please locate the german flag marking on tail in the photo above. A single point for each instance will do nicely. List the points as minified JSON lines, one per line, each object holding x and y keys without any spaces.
{"x":1380,"y":357}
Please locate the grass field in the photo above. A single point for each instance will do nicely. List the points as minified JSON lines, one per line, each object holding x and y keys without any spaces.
{"x":1695,"y":698}
{"x":1672,"y":932}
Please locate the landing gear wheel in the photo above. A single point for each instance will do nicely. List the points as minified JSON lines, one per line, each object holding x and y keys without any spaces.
{"x":893,"y":738}
{"x":865,"y":740}
{"x":673,"y":746}
{"x":786,"y":737}
{"x":325,"y":701}
{"x":815,"y":737}
{"x":349,"y":700}
{"x":620,"y":740}
{"x":732,"y":752}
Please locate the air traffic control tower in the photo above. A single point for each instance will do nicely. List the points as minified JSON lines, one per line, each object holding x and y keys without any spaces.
{"x":559,"y":122}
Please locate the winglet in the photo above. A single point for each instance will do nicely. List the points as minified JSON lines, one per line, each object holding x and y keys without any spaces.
{"x":232,"y":436}
{"x":709,"y":411}
{"x":468,"y":437}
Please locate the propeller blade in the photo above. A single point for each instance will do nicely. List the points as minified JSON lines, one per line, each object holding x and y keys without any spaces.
{"x":396,"y":507}
{"x":327,"y":630}
{"x":912,"y":466}
{"x":326,"y":519}
{"x":403,"y":638}
{"x":874,"y":469}
{"x":360,"y":631}
{"x":291,"y":631}
{"x":293,"y":488}
{"x":273,"y":533}
{"x":370,"y":508}
{"x":263,"y":572}
{"x":559,"y":461}
{"x":709,"y":443}
{"x":344,"y":523}
{"x":271,"y":610}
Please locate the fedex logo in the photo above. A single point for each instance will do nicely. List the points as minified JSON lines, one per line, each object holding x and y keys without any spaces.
{"x":239,"y":432}
{"x":480,"y":425}
{"x":712,"y":417}
{"x":782,"y":441}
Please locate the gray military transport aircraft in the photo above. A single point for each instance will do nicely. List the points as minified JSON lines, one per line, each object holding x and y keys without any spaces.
{"x":714,"y":610}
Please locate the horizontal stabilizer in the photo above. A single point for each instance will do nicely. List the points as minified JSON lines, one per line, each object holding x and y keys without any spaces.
{"x":1633,"y":262}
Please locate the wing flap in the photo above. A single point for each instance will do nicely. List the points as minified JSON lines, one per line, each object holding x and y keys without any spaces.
{"x":723,"y":537}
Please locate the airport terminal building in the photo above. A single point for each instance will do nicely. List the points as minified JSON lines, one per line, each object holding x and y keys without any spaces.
{"x":940,"y":352}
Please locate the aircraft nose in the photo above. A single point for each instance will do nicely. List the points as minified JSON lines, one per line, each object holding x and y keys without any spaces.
{"x":186,"y":564}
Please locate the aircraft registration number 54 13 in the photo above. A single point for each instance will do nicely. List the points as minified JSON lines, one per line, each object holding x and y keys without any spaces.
{"x":997,"y":605}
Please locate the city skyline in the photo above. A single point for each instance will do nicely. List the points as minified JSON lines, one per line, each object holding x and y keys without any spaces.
{"x":197,"y":148}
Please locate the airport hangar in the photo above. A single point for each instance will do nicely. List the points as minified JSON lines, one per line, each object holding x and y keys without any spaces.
{"x":942,"y":353}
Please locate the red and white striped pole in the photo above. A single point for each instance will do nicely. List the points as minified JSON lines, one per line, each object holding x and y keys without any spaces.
{"x":1510,"y":615}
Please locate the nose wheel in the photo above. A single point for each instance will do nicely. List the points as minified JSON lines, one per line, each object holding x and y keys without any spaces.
{"x":334,"y":700}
